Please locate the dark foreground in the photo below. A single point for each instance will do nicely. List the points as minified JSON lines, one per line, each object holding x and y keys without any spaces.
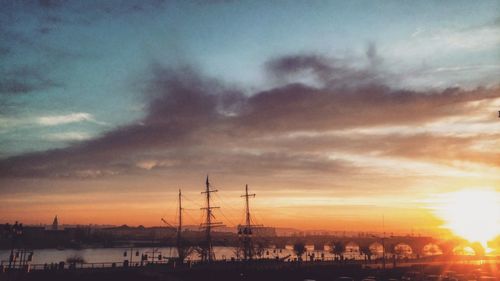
{"x":271,"y":272}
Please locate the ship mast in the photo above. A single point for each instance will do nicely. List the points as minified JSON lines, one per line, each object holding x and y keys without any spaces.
{"x":246,"y":231}
{"x":208,"y":251}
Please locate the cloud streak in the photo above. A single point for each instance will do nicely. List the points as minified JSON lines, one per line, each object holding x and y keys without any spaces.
{"x":64,"y":119}
{"x":68,"y":136}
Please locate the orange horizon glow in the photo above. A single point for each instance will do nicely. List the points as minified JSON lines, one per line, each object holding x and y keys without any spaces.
{"x":304,"y":213}
{"x":320,"y":208}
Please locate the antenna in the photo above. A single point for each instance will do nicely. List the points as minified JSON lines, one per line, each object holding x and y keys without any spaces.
{"x":383,"y":224}
{"x":383,"y":241}
{"x":180,"y":250}
{"x":179,"y":228}
{"x":247,"y":205}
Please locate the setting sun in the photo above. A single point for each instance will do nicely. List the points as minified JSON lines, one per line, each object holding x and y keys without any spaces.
{"x":472,"y":214}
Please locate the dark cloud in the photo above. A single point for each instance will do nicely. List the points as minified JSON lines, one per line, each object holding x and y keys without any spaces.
{"x":180,"y":104}
{"x":89,"y":12}
{"x":24,"y":80}
{"x":44,"y":30}
{"x":298,"y":107}
{"x":194,"y":122}
{"x":17,"y":41}
{"x":4,"y":51}
{"x":291,"y":65}
{"x":328,"y":73}
{"x":52,"y":15}
{"x":15,"y":86}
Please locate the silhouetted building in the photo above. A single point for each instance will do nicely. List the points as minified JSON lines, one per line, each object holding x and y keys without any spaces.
{"x":265,"y":231}
{"x":55,"y":224}
{"x":140,"y":232}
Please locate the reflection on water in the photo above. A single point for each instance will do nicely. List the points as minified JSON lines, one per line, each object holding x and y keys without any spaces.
{"x":107,"y":255}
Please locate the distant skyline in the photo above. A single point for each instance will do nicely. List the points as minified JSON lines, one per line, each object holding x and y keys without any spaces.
{"x":336,"y":113}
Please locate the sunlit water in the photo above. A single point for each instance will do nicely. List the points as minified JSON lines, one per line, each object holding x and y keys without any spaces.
{"x":108,"y":255}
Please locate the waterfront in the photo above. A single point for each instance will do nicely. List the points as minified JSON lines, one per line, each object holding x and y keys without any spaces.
{"x":109,"y":255}
{"x":261,"y":270}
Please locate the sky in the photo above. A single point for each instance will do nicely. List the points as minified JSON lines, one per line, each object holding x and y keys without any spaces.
{"x":340,"y":115}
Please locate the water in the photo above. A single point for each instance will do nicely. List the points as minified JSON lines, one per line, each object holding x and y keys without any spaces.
{"x":108,"y":255}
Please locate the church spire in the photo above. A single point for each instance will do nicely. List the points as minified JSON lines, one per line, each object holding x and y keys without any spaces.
{"x":55,"y":224}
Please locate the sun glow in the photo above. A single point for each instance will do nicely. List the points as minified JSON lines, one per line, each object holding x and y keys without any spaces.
{"x":471,"y":214}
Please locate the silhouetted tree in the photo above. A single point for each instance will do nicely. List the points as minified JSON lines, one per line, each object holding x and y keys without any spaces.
{"x":238,"y":251}
{"x":447,"y":247}
{"x":478,"y":249}
{"x":75,"y":259}
{"x":389,"y":250}
{"x":260,"y":247}
{"x":338,"y":249}
{"x":495,"y":243}
{"x":299,"y":248}
{"x":366,"y":251}
{"x":399,"y":251}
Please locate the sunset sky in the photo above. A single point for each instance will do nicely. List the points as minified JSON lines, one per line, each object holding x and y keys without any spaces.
{"x":340,"y":115}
